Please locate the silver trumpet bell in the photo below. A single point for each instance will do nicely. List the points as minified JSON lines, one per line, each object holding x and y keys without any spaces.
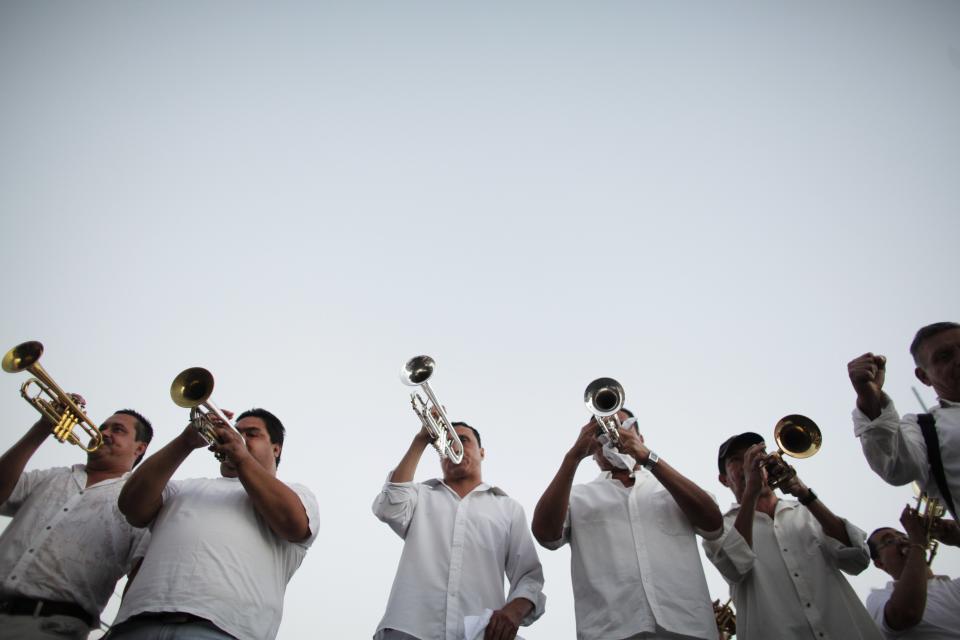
{"x":604,"y":398}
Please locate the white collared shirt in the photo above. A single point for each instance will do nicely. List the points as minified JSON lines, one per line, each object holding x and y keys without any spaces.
{"x":941,"y":616}
{"x":67,"y":542}
{"x":895,"y":449}
{"x":455,"y":555}
{"x":790,"y":580}
{"x":634,"y":561}
{"x":214,"y":556}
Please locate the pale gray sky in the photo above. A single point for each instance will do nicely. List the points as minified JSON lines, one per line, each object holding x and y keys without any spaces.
{"x":719,"y":204}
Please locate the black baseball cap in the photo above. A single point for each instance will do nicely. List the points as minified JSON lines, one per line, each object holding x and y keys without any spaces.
{"x":734,"y":444}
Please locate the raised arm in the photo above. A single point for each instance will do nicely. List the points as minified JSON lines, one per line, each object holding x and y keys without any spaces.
{"x":867,"y":373}
{"x":551,"y":510}
{"x":277,"y":504}
{"x":832,"y":525}
{"x":908,"y":601}
{"x":408,"y":463}
{"x":15,"y":459}
{"x":700,"y":509}
{"x":142,"y":494}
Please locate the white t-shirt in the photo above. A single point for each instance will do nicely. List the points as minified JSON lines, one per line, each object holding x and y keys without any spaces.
{"x":212,"y":555}
{"x":941,"y":617}
{"x":67,"y":542}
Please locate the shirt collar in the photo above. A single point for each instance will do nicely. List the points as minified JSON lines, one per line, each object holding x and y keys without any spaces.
{"x":483,"y":486}
{"x":946,"y":404}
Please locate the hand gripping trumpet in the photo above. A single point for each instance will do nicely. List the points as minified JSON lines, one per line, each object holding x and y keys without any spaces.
{"x":58,"y":406}
{"x":726,"y":619}
{"x":930,"y":510}
{"x":604,"y":398}
{"x":417,"y":373}
{"x":191,"y":389}
{"x":796,"y":436}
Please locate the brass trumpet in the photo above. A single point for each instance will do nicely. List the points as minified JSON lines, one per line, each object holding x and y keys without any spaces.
{"x":191,"y":389}
{"x":796,"y":436}
{"x":416,"y":373}
{"x":931,"y":511}
{"x":604,"y":398}
{"x":726,"y":619}
{"x":58,"y":406}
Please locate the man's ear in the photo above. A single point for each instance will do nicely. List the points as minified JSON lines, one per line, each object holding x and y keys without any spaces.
{"x":277,"y":448}
{"x":723,"y":479}
{"x":483,"y":453}
{"x":922,"y":376}
{"x":140,"y":450}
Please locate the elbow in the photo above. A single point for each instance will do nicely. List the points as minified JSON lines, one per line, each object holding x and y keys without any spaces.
{"x":135,"y":510}
{"x":544,"y":535}
{"x":904,"y":618}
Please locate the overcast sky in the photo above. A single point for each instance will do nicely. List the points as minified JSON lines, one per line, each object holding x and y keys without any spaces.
{"x":718,"y":204}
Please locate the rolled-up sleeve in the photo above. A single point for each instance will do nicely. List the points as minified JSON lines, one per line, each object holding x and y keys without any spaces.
{"x":523,"y":568}
{"x":894,"y":447}
{"x":553,"y":545}
{"x":851,"y":559}
{"x":730,"y":554}
{"x":395,"y":504}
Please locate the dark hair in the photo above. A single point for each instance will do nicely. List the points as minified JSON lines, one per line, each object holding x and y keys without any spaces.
{"x":274,"y":426}
{"x":144,"y":430}
{"x":874,"y":551}
{"x":475,"y":432}
{"x":926,"y":333}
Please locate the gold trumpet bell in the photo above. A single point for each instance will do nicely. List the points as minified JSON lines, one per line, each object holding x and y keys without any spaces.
{"x":22,"y":357}
{"x":192,"y":387}
{"x":798,"y":436}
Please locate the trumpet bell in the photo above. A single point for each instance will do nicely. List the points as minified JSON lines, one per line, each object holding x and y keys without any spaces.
{"x":192,"y":387}
{"x":798,"y":436}
{"x":604,"y":397}
{"x":22,"y":357}
{"x":417,"y":370}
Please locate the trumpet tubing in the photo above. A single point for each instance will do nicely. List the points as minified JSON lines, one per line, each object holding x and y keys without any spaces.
{"x":55,"y":404}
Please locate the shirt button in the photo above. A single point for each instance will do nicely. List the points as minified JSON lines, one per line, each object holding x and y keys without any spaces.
{"x":48,"y":528}
{"x":13,"y":577}
{"x":81,"y":492}
{"x":29,"y":550}
{"x":67,"y":509}
{"x":796,"y":575}
{"x":808,"y":605}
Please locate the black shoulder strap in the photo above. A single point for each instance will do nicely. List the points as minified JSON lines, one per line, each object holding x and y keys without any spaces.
{"x":933,"y":455}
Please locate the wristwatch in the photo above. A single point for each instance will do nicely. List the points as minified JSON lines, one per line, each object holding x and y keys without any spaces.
{"x":808,"y":499}
{"x":651,"y":461}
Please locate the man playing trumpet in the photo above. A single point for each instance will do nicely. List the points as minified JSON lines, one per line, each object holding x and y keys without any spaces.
{"x":61,"y":556}
{"x":634,"y":561}
{"x":916,"y":604}
{"x":461,"y":537}
{"x":222,"y":549}
{"x":783,"y":558}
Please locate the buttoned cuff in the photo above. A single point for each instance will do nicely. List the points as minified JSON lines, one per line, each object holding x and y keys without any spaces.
{"x":709,"y":535}
{"x":730,"y":554}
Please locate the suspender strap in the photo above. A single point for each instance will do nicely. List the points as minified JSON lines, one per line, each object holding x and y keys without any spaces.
{"x":936,"y":463}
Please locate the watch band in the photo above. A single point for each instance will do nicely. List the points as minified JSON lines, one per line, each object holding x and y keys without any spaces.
{"x":809,"y":498}
{"x":651,"y":461}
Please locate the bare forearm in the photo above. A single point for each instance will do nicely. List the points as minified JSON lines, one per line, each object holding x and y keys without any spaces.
{"x":551,"y":510}
{"x":908,"y":601}
{"x":700,"y":509}
{"x":277,"y":503}
{"x":832,"y":525}
{"x":408,"y":463}
{"x":15,"y":459}
{"x":871,"y":403}
{"x":142,"y":494}
{"x":744,"y":521}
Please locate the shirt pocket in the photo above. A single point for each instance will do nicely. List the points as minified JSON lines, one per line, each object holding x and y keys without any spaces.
{"x":668,"y":516}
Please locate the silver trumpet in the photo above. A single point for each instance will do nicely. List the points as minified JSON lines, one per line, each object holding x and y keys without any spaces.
{"x":604,"y":398}
{"x":191,"y":389}
{"x":417,"y":373}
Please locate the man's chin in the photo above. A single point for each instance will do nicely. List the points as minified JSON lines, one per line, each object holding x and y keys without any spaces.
{"x":227,"y":470}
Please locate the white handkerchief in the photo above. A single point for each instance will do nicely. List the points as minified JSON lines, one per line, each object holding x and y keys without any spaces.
{"x":473,"y":626}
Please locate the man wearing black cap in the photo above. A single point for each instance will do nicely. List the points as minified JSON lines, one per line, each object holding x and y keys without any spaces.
{"x":783,"y":558}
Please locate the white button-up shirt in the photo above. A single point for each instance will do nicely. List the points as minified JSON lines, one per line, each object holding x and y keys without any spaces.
{"x":67,"y":542}
{"x":896,"y":451}
{"x":789,"y":584}
{"x":634,"y":561}
{"x":941,"y":616}
{"x":455,"y":555}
